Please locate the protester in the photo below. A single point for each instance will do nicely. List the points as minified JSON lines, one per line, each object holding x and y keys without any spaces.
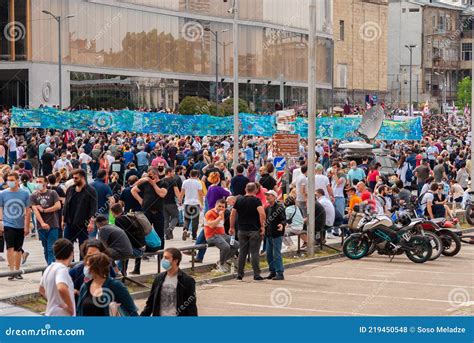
{"x":274,"y":230}
{"x":102,"y":295}
{"x":56,"y":285}
{"x":173,"y":292}
{"x":248,"y":214}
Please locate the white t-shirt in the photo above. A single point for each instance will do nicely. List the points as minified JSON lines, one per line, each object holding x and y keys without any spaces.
{"x":301,"y":184}
{"x":424,"y":201}
{"x":53,"y":275}
{"x":329,"y":209}
{"x":191,"y":189}
{"x":296,"y":173}
{"x":62,"y":164}
{"x":12,"y":144}
{"x":168,"y":296}
{"x":321,"y":182}
{"x":84,"y":158}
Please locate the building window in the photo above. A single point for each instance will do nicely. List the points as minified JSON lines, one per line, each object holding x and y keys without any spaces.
{"x":342,"y":75}
{"x":466,"y":52}
{"x":341,"y":30}
{"x":404,"y":10}
{"x":414,"y":10}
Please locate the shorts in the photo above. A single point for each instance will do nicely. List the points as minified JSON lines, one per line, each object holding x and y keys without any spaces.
{"x":14,"y":238}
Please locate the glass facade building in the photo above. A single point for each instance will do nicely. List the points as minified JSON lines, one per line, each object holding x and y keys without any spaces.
{"x":154,"y":52}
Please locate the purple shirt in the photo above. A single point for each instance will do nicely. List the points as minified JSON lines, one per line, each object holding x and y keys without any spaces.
{"x":215,"y":193}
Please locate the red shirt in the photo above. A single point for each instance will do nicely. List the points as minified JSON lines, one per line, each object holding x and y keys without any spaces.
{"x":209,"y":231}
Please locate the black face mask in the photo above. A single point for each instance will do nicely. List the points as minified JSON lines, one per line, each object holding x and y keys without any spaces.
{"x":160,"y":169}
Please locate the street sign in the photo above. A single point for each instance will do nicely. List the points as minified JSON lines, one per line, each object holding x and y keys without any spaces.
{"x":285,"y":144}
{"x":280,"y":163}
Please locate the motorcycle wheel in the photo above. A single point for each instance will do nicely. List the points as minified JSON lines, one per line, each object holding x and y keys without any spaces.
{"x":451,"y":242}
{"x":470,"y":214}
{"x":355,"y":247}
{"x":420,"y":250}
{"x":436,"y":245}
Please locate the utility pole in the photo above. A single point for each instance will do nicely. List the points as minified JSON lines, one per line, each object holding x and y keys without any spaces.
{"x":282,"y":92}
{"x":410,"y":47}
{"x":235,"y":29}
{"x":311,"y":124}
{"x":216,"y":36}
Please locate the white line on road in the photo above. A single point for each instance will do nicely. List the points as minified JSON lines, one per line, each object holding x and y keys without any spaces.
{"x":378,"y":280}
{"x":303,"y":309}
{"x":411,"y":270}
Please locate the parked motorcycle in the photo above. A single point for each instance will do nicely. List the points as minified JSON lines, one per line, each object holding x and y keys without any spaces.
{"x":388,"y":239}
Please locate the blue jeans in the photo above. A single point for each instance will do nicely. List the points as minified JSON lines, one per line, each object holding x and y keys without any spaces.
{"x":201,"y":239}
{"x":275,"y":262}
{"x":340,"y":205}
{"x":11,"y":158}
{"x":48,"y":237}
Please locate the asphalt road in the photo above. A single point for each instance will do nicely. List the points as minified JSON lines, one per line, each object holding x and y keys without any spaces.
{"x":371,"y":286}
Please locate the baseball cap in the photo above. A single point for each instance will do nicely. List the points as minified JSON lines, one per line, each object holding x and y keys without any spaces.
{"x":272,"y":192}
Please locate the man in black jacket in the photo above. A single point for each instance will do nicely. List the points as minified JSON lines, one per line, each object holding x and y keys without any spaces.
{"x":274,"y":231}
{"x":80,"y":207}
{"x":173,"y":292}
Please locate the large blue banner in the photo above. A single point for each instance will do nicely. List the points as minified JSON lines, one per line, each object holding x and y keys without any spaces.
{"x":201,"y":125}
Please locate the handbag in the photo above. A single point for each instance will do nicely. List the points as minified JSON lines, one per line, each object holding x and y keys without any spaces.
{"x":152,"y":240}
{"x":290,"y":221}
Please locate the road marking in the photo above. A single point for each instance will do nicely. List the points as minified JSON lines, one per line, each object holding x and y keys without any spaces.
{"x":378,"y":280}
{"x":304,"y":309}
{"x":369,"y":295}
{"x":411,"y":270}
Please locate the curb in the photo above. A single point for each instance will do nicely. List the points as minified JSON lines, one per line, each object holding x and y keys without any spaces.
{"x":206,"y":282}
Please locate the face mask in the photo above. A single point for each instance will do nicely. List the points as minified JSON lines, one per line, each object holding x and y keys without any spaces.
{"x":63,"y":158}
{"x":87,"y":273}
{"x":161,"y":169}
{"x":165,"y":264}
{"x":39,"y":186}
{"x":11,"y":184}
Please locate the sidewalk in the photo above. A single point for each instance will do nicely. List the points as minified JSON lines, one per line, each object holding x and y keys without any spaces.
{"x":30,"y":283}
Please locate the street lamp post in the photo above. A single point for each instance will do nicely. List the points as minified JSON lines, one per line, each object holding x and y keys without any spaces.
{"x":410,"y":47}
{"x":311,"y":124}
{"x":235,"y":31}
{"x":216,"y":35}
{"x":59,"y":20}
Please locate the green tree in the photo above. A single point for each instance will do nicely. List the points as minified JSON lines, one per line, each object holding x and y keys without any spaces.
{"x":196,"y":105}
{"x":227,"y":107}
{"x":464,"y":92}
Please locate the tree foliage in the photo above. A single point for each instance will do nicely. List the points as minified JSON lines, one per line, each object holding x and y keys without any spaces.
{"x":464,"y":92}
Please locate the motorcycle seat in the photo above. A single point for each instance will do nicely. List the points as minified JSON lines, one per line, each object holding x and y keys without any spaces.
{"x":438,"y":220}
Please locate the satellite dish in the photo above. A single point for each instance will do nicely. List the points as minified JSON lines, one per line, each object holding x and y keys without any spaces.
{"x":371,"y":123}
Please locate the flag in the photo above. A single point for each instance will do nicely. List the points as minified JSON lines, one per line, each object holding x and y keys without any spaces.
{"x":426,"y":108}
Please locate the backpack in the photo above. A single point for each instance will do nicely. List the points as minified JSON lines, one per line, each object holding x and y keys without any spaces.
{"x":140,"y":220}
{"x":409,"y":174}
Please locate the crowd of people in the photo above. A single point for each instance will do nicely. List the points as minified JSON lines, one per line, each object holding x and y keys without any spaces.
{"x":120,"y":195}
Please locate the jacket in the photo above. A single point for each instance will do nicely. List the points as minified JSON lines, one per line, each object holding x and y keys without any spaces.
{"x":275,"y":215}
{"x":185,"y":294}
{"x":120,"y":295}
{"x":88,"y":206}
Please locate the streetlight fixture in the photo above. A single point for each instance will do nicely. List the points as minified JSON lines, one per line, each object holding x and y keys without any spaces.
{"x":59,"y":20}
{"x":410,"y":47}
{"x":216,"y":35}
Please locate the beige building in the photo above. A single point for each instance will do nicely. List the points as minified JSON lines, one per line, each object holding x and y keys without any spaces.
{"x":360,"y":50}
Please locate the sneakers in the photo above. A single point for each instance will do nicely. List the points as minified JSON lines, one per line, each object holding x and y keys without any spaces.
{"x":19,"y":277}
{"x":270,"y":276}
{"x":195,"y":261}
{"x":330,"y":236}
{"x":135,"y":272}
{"x":221,"y":268}
{"x":11,"y":278}
{"x":185,"y":235}
{"x":258,"y":278}
{"x":239,"y":277}
{"x":279,"y":277}
{"x":24,"y":257}
{"x":170,"y":234}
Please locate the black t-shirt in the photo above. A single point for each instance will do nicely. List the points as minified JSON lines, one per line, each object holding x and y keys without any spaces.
{"x":135,"y":235}
{"x":268,"y":182}
{"x":237,"y":184}
{"x":248,"y":216}
{"x":46,"y":159}
{"x":130,"y":203}
{"x":116,"y":240}
{"x":170,"y":197}
{"x":151,"y":201}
